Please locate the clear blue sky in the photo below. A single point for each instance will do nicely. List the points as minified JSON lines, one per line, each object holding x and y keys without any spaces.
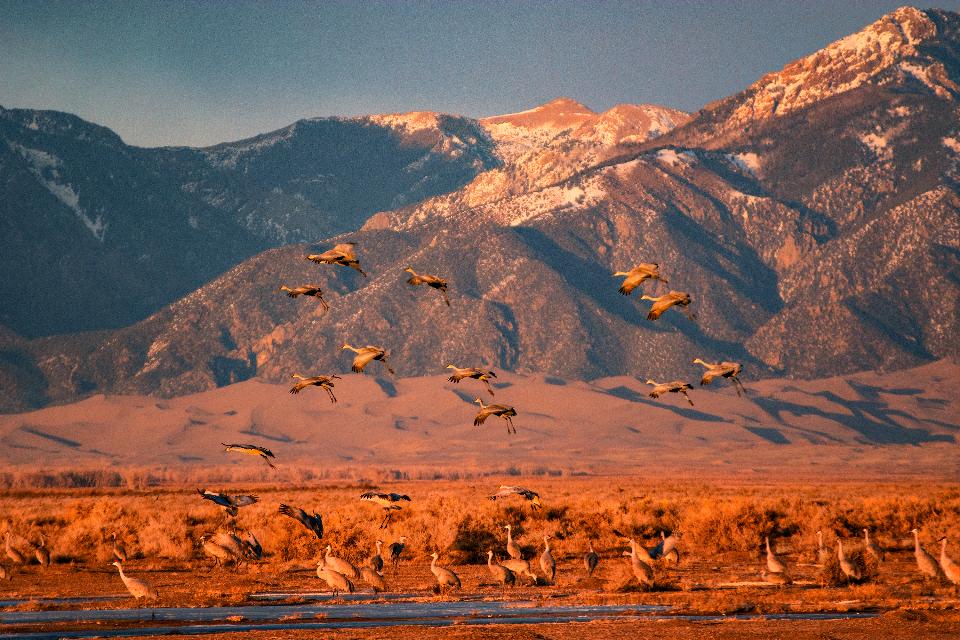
{"x":164,"y":73}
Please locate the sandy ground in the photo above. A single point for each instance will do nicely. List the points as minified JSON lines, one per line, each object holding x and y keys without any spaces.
{"x":861,"y":426}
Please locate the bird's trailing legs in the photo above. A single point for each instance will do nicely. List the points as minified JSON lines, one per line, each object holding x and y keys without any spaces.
{"x":688,"y":397}
{"x":386,"y":519}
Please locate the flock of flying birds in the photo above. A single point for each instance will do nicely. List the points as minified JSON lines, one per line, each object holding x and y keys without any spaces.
{"x":339,"y":573}
{"x":344,"y":254}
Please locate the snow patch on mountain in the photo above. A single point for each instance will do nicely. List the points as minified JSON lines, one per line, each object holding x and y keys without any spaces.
{"x":45,"y":167}
{"x":748,"y":163}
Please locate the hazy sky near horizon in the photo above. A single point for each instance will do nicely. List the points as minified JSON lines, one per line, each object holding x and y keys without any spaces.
{"x":197,"y":73}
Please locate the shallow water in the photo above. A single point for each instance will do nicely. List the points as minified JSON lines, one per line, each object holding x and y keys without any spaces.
{"x":205,"y":620}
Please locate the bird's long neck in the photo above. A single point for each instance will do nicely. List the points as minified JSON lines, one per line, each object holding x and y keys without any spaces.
{"x":546,"y":544}
{"x":352,"y":348}
{"x":916,"y":542}
{"x":122,"y":575}
{"x":646,"y":297}
{"x":866,"y":536}
{"x":590,"y":544}
{"x":943,"y":549}
{"x":767,"y":540}
{"x":820,"y":539}
{"x":490,"y":558}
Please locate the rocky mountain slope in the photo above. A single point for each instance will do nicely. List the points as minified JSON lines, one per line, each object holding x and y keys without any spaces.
{"x":818,"y":236}
{"x":98,"y":234}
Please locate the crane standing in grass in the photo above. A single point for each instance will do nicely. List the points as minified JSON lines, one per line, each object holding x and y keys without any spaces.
{"x":925,"y":562}
{"x":15,"y":555}
{"x":950,"y":569}
{"x":850,"y":569}
{"x":138,"y":588}
{"x":872,"y":547}
{"x":500,"y":573}
{"x":42,"y":553}
{"x":547,"y":564}
{"x":590,"y":559}
{"x":775,"y":563}
{"x":823,"y":553}
{"x":513,"y":549}
{"x":642,"y":570}
{"x":334,"y":579}
{"x":445,"y":577}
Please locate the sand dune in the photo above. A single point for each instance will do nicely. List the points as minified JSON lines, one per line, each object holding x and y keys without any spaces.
{"x":863,"y":425}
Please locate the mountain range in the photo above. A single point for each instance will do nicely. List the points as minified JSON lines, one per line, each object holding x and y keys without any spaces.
{"x":813,"y":218}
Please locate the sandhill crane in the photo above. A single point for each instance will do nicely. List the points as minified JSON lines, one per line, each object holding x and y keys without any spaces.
{"x":366,"y":355}
{"x":342,"y":254}
{"x":138,"y":588}
{"x":230,"y":504}
{"x":499,"y":572}
{"x":823,"y":552}
{"x":513,"y":549}
{"x":666,"y":549}
{"x":311,"y":290}
{"x":313,"y":522}
{"x":340,"y":565}
{"x":387,"y":501}
{"x":445,"y":577}
{"x":251,"y":449}
{"x":324,"y":382}
{"x":774,"y":577}
{"x":508,"y":490}
{"x":373,"y":578}
{"x":334,"y":579}
{"x":642,"y":570}
{"x":396,"y":548}
{"x":520,"y":567}
{"x":483,"y":375}
{"x":499,"y":410}
{"x":220,"y":554}
{"x":674,"y":386}
{"x":434,"y":282}
{"x":232,"y":543}
{"x":42,"y":553}
{"x":15,"y":555}
{"x":252,"y":546}
{"x":375,"y":561}
{"x":851,"y":570}
{"x":925,"y":562}
{"x":872,"y":547}
{"x":715,"y":370}
{"x":547,"y":564}
{"x":591,"y":559}
{"x":950,"y":569}
{"x":667,"y":300}
{"x":775,"y":564}
{"x":636,"y":276}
